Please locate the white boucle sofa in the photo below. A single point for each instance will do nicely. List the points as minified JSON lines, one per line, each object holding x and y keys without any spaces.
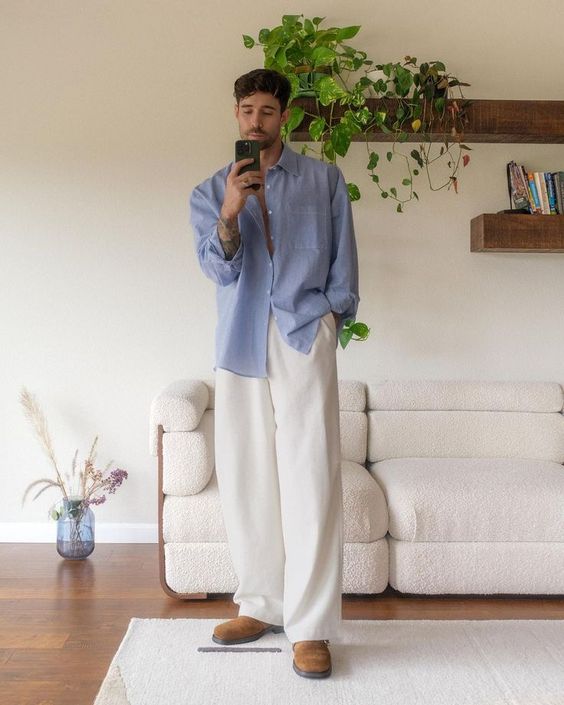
{"x":449,"y":487}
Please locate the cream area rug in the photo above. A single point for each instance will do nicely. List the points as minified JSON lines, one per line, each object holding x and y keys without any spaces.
{"x":388,"y":662}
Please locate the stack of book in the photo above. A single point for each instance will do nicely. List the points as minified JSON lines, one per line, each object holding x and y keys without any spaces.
{"x":536,"y":191}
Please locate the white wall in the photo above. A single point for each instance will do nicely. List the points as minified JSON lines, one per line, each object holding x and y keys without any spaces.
{"x":113,"y":111}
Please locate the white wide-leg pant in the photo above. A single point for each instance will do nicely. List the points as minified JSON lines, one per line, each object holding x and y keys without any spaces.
{"x":278,"y":455}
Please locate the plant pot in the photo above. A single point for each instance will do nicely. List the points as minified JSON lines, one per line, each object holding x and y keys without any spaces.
{"x":307,"y":75}
{"x":75,"y":530}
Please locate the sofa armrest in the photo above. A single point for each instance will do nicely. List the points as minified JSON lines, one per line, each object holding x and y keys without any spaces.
{"x":178,"y":407}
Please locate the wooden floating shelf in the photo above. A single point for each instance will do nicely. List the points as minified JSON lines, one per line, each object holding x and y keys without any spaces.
{"x":519,"y":232}
{"x":527,"y":121}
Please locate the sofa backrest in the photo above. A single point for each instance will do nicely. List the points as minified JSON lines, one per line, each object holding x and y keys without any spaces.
{"x":352,"y":417}
{"x":452,"y":418}
{"x":448,"y":418}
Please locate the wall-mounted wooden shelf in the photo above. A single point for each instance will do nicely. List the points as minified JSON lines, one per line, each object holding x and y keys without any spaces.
{"x":527,"y":121}
{"x":520,"y":232}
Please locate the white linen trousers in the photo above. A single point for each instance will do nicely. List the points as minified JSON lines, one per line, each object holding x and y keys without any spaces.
{"x":278,"y":467}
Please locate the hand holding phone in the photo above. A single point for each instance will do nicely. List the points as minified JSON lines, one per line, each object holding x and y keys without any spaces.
{"x":248,"y":149}
{"x":238,"y":186}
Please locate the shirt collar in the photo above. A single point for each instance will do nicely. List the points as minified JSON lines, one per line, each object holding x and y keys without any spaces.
{"x":288,"y":160}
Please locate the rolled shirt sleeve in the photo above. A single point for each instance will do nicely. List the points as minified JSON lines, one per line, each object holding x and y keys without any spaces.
{"x":342,"y":281}
{"x":204,"y":214}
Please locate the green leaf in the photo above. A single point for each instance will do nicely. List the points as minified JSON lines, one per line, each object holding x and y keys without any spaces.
{"x":326,"y":36}
{"x":328,"y":151}
{"x":406,"y":182}
{"x":280,"y":57}
{"x":270,"y":50}
{"x":249,"y":42}
{"x":363,"y":115}
{"x":384,"y":194}
{"x":389,"y":156}
{"x":341,"y":138}
{"x":374,"y":157}
{"x":295,"y":83}
{"x":354,"y":192}
{"x":317,"y":20}
{"x":360,"y":329}
{"x":294,"y":119}
{"x":309,"y":27}
{"x":347,"y":33}
{"x":398,"y":209}
{"x":394,"y":192}
{"x":375,"y":178}
{"x":345,"y":337}
{"x":263,"y":36}
{"x":321,"y":56}
{"x":329,"y":91}
{"x":380,"y":116}
{"x":317,"y":128}
{"x":290,"y":20}
{"x":350,"y":118}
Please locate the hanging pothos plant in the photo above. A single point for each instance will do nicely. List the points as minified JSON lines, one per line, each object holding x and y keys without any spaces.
{"x":337,"y":94}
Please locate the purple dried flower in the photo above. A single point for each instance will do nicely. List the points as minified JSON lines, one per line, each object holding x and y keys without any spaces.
{"x":116,"y":477}
{"x":94,"y":500}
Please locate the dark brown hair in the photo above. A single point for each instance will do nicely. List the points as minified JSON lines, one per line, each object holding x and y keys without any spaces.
{"x":265,"y":81}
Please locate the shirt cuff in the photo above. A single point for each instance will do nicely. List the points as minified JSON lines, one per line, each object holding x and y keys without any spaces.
{"x":345,"y":305}
{"x":217,"y":248}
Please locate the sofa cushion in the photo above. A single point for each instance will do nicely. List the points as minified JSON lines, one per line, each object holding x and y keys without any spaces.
{"x":464,"y":395}
{"x":354,"y":435}
{"x":178,"y":407}
{"x":188,"y":458}
{"x":364,"y":504}
{"x":352,"y":395}
{"x":199,"y":518}
{"x":465,"y":434}
{"x":473,"y":499}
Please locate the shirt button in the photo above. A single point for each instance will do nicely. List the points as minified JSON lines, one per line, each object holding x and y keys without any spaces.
{"x":268,"y":291}
{"x":268,"y":186}
{"x":270,"y":212}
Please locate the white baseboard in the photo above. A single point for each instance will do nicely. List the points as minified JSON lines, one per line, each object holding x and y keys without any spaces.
{"x":46,"y":532}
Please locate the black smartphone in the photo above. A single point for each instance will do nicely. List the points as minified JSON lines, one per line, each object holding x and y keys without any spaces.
{"x":245,"y":149}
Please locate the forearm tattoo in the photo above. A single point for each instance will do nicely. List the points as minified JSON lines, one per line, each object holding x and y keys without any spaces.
{"x":229,"y":236}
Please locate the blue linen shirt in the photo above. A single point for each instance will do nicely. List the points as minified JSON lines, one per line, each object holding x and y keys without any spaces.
{"x":313,"y":269}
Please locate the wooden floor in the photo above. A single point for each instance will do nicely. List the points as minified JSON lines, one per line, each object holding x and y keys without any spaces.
{"x":62,"y":621}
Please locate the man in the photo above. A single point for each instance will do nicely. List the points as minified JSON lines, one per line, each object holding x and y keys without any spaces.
{"x":285,"y":263}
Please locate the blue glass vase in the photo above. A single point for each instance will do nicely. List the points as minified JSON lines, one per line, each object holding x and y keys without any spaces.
{"x":75,"y":530}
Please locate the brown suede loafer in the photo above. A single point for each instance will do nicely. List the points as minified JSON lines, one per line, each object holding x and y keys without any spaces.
{"x":243,"y":629}
{"x":312,"y":659}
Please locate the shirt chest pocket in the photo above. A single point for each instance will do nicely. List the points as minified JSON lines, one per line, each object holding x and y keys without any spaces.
{"x":307,"y":228}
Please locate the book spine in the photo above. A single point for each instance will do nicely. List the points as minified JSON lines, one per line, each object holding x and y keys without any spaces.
{"x":541,"y":188}
{"x":533,"y":188}
{"x":519,"y":194}
{"x":556,"y":179}
{"x":551,"y":192}
{"x":561,"y":180}
{"x":525,"y":181}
